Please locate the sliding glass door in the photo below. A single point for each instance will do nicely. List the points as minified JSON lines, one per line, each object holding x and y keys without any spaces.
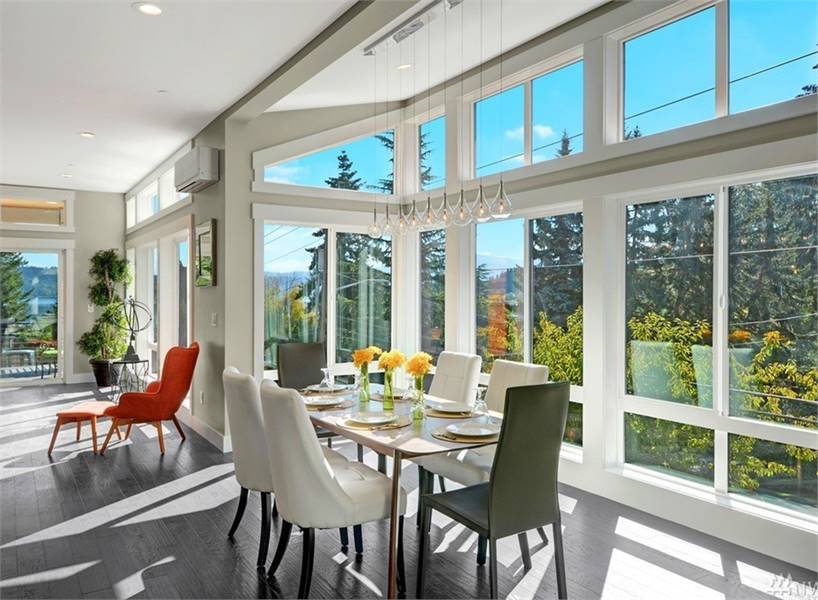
{"x":30,"y":344}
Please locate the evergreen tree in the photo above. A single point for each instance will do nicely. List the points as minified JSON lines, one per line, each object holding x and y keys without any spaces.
{"x":433,"y":289}
{"x":565,"y":145}
{"x":809,"y":89}
{"x":426,"y":175}
{"x":633,"y":133}
{"x":346,"y":179}
{"x":386,"y":185}
{"x":14,"y":297}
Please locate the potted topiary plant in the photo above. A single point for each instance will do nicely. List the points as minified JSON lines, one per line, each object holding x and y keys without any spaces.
{"x":107,"y":339}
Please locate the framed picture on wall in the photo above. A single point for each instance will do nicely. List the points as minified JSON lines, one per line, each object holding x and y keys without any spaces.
{"x":206,"y":254}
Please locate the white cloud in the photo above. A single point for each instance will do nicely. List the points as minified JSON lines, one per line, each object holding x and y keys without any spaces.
{"x":515,"y":134}
{"x":281,"y":173}
{"x":543,"y":131}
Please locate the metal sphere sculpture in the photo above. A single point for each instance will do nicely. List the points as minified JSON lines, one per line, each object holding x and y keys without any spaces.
{"x":137,"y":318}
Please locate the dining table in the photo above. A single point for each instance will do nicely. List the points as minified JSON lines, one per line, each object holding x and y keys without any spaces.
{"x":414,"y":440}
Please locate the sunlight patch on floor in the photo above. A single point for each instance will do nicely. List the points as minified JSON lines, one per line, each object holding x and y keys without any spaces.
{"x":632,"y":578}
{"x":57,"y":574}
{"x":133,"y":584}
{"x":669,"y":544}
{"x":349,"y":567}
{"x":130,"y":507}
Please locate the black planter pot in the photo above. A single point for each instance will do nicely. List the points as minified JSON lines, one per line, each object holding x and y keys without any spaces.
{"x":103,"y":373}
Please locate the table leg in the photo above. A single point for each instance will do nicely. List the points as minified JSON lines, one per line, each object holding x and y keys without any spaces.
{"x":391,"y":584}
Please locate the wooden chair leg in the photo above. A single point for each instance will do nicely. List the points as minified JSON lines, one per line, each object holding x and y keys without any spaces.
{"x":94,"y":433}
{"x":442,"y":483}
{"x":543,"y":537}
{"x":401,"y":574}
{"x":426,"y":523}
{"x":239,"y":513}
{"x":128,"y":431}
{"x":114,"y":424}
{"x":179,"y":429}
{"x":559,"y":560}
{"x":358,"y":539}
{"x":482,"y":544}
{"x":264,"y":539}
{"x":161,"y":437}
{"x":524,"y":550}
{"x":283,"y":540}
{"x":54,"y":435}
{"x":118,"y":434}
{"x":493,"y":567}
{"x":79,"y":429}
{"x":307,"y":557}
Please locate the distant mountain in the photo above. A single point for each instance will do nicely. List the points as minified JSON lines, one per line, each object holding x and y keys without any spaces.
{"x":496,"y":262}
{"x":42,"y":280}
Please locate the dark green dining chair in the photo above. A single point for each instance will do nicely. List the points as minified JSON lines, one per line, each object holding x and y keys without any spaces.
{"x":522,"y":492}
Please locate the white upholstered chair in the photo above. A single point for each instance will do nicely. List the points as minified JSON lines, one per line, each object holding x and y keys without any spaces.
{"x":456,"y":377}
{"x":470,"y":467}
{"x":251,"y":458}
{"x":313,"y":493}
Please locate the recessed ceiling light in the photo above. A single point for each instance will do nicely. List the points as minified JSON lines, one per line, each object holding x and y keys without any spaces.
{"x":87,"y":134}
{"x":162,"y":91}
{"x":66,"y":175}
{"x":147,"y":8}
{"x":404,"y":67}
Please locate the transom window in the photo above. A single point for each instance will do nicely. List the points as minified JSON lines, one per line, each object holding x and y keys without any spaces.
{"x":432,"y":154}
{"x":366,"y":164}
{"x":557,"y":113}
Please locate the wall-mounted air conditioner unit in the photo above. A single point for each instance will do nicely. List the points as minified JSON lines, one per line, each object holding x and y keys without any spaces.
{"x":197,"y":170}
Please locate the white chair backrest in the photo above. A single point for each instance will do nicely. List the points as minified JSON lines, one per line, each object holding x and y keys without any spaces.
{"x":307,"y":493}
{"x":506,"y":374}
{"x":250,"y":455}
{"x":456,"y":377}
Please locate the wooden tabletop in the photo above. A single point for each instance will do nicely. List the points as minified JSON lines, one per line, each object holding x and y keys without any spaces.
{"x":414,"y":440}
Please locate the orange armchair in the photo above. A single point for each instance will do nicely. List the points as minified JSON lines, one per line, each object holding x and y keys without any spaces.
{"x":160,"y":400}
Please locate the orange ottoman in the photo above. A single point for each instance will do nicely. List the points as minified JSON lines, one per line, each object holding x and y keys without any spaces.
{"x":86,"y":411}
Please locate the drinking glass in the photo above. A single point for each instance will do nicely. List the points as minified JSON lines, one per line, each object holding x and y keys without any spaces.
{"x":326,"y":382}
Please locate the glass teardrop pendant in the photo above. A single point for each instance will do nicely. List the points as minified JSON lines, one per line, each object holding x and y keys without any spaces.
{"x":462,"y":215}
{"x":374,"y":228}
{"x":502,"y":203}
{"x":481,"y":210}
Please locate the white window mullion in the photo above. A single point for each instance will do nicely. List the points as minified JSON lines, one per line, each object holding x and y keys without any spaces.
{"x":528,"y":126}
{"x":331,"y":303}
{"x":721,"y":358}
{"x":722,"y":59}
{"x":528,"y":304}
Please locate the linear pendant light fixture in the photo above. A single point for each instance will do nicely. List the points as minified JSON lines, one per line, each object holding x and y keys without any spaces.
{"x":461,"y":212}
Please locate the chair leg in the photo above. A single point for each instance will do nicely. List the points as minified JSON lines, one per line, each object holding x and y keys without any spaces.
{"x":94,"y":434}
{"x":358,"y":539}
{"x":493,"y":567}
{"x":382,"y":463}
{"x":264,"y":541}
{"x":118,"y":434}
{"x":525,"y":553}
{"x":79,"y":429}
{"x":329,"y":442}
{"x":114,"y":424}
{"x":161,"y":437}
{"x":128,"y":431}
{"x":239,"y":513}
{"x":482,"y":543}
{"x":344,"y":538}
{"x":307,"y":556}
{"x":543,"y":537}
{"x":426,"y":523}
{"x":275,"y":509}
{"x":421,"y":488}
{"x":401,"y":567}
{"x":179,"y":428}
{"x":559,"y":560}
{"x":441,"y":482}
{"x":281,"y":548}
{"x":360,"y":453}
{"x":54,"y":435}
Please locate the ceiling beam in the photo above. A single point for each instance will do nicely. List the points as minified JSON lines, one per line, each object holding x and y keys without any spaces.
{"x":363,"y":20}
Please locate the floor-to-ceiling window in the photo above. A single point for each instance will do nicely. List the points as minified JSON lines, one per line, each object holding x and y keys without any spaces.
{"x":295,"y":281}
{"x":432,"y":255}
{"x":29,"y":315}
{"x":182,"y":295}
{"x":363,"y":293}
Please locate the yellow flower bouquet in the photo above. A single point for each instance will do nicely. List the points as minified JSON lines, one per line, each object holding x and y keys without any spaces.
{"x":418,"y":366}
{"x":361,"y":359}
{"x":389,"y":361}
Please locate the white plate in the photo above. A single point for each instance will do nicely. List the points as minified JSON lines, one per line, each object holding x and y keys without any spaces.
{"x":316,"y":387}
{"x":322,"y":401}
{"x":372,"y":418}
{"x":449,"y":407}
{"x":472,"y":429}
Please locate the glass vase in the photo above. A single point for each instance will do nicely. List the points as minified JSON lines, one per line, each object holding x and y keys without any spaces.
{"x":363,"y":384}
{"x":388,"y":390}
{"x":418,"y":401}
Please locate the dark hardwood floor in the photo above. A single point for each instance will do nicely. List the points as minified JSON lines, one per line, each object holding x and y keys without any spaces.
{"x":136,"y":524}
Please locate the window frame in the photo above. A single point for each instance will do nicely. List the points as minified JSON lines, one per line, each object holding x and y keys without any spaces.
{"x":716,"y":418}
{"x":524,"y":77}
{"x":334,"y":222}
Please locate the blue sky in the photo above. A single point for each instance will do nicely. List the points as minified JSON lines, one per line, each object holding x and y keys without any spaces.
{"x":661,"y":67}
{"x":43,"y":260}
{"x":285,"y":248}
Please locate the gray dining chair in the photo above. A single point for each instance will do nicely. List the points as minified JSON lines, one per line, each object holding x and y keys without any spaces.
{"x":521,"y":493}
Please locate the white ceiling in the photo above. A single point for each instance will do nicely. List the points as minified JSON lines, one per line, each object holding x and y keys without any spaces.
{"x":435,"y":51}
{"x":96,"y":65}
